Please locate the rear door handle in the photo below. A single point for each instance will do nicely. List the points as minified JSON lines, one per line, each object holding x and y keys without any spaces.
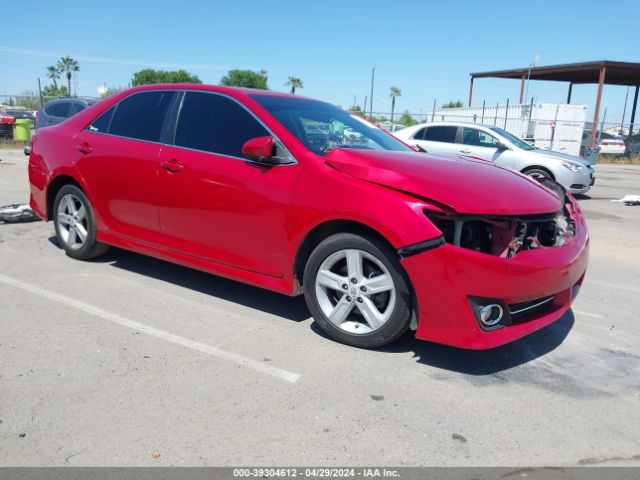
{"x":172,"y":166}
{"x":84,"y":147}
{"x":465,"y":150}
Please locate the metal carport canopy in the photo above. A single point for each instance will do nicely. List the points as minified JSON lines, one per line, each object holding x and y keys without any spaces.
{"x":601,"y":72}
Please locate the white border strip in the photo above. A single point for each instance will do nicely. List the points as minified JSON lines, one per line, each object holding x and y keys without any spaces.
{"x":169,"y":337}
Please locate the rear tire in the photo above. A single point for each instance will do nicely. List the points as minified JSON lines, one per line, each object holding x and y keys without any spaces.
{"x":357,"y":290}
{"x":75,"y":224}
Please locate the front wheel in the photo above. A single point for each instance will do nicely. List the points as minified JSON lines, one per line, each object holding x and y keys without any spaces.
{"x":538,"y":174}
{"x":75,"y":224}
{"x":357,"y":291}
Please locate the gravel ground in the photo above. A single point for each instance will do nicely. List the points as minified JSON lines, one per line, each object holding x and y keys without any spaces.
{"x":132,"y":361}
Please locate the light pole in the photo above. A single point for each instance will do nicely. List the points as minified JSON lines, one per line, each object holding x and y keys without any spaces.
{"x":373,"y":74}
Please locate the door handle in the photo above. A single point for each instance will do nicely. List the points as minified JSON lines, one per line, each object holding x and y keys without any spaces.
{"x":172,"y":166}
{"x":465,"y":150}
{"x":84,"y":147}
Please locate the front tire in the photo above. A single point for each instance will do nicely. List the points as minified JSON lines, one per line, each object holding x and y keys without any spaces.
{"x":357,"y":290}
{"x":538,"y":173}
{"x":75,"y":224}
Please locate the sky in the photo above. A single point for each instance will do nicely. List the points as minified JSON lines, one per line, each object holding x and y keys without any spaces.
{"x":425,"y":48}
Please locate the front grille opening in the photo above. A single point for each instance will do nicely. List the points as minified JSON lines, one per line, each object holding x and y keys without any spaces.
{"x":506,"y":235}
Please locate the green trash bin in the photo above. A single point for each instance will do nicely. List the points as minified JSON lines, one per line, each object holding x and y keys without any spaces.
{"x":22,"y":129}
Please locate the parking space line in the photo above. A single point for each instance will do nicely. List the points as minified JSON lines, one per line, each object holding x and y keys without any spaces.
{"x":617,"y":287}
{"x":587,"y":314}
{"x":155,"y":332}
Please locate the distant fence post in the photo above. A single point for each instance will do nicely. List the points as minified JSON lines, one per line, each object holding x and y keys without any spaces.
{"x":495,"y":118}
{"x":483,"y":103}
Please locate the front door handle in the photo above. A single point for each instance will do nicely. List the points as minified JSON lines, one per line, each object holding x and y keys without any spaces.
{"x":84,"y":147}
{"x":172,"y":166}
{"x":465,"y":150}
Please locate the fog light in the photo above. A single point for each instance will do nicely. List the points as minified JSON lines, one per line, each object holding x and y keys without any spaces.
{"x":491,"y":314}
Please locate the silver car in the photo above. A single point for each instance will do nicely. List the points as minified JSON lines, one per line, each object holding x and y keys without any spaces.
{"x":496,"y":145}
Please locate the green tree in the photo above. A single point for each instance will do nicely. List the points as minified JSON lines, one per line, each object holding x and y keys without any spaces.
{"x":51,"y":91}
{"x":68,"y":65}
{"x":294,"y":82}
{"x":395,"y":92}
{"x":452,"y":104}
{"x":149,"y":75}
{"x":245,"y":78}
{"x":356,"y":109}
{"x":54,"y":74}
{"x":111,"y":91}
{"x":28,"y":99}
{"x":406,"y":119}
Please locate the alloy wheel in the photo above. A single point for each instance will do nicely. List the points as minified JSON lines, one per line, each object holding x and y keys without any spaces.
{"x":355,"y":291}
{"x":72,"y":220}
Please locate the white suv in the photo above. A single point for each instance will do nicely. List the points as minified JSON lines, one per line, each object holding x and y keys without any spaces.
{"x":496,"y":145}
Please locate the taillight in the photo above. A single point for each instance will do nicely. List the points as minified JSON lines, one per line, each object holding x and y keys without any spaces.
{"x":604,"y":142}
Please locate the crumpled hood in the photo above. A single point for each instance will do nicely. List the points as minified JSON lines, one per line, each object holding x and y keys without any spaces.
{"x":559,"y":156}
{"x":462,"y":184}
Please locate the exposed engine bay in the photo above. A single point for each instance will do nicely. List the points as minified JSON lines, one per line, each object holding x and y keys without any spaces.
{"x":505,"y":236}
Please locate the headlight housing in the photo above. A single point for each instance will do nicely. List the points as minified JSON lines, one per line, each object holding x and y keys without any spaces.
{"x":573,"y":167}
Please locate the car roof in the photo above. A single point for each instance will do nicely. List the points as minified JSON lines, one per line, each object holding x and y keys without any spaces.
{"x":454,"y":124}
{"x":217,"y":88}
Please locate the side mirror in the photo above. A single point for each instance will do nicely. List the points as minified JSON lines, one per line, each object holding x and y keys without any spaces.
{"x":261,"y":149}
{"x":501,"y":146}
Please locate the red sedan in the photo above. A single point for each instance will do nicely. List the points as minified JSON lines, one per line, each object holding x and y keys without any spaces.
{"x":267,"y":189}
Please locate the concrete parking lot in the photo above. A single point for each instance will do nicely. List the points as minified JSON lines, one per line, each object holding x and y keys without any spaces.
{"x":127,"y":360}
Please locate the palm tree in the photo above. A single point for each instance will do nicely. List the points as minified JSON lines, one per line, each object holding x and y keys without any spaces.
{"x":395,"y":92}
{"x":54,"y":74}
{"x":68,"y":65}
{"x":294,"y":82}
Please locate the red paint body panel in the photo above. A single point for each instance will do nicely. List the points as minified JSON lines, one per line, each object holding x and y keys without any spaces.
{"x":454,"y":274}
{"x":227,"y":210}
{"x":246,"y":221}
{"x":473,"y":186}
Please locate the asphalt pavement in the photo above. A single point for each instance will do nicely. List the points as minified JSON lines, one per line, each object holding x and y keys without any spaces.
{"x":132,"y":361}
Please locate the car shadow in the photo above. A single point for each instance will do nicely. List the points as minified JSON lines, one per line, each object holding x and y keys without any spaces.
{"x":291,"y":308}
{"x":581,"y":196}
{"x":481,"y":362}
{"x":470,"y":362}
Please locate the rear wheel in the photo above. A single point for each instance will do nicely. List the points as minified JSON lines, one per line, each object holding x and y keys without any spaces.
{"x":357,"y":291}
{"x":75,"y":224}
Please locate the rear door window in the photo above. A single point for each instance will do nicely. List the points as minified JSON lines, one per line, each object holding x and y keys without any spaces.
{"x":215,"y":123}
{"x":141,"y":115}
{"x":60,"y":109}
{"x":441,"y":134}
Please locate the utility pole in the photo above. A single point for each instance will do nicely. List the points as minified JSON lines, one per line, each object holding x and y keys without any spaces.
{"x":536,"y":59}
{"x":40,"y":91}
{"x":624,"y":111}
{"x":373,"y":74}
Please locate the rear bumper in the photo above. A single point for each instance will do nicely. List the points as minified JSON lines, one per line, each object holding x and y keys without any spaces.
{"x":445,"y":278}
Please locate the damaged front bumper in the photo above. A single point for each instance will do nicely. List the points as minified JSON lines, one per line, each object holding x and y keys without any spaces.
{"x":534,"y":288}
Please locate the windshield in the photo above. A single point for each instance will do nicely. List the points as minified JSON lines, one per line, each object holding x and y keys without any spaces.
{"x":513,"y":139}
{"x":321,"y":127}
